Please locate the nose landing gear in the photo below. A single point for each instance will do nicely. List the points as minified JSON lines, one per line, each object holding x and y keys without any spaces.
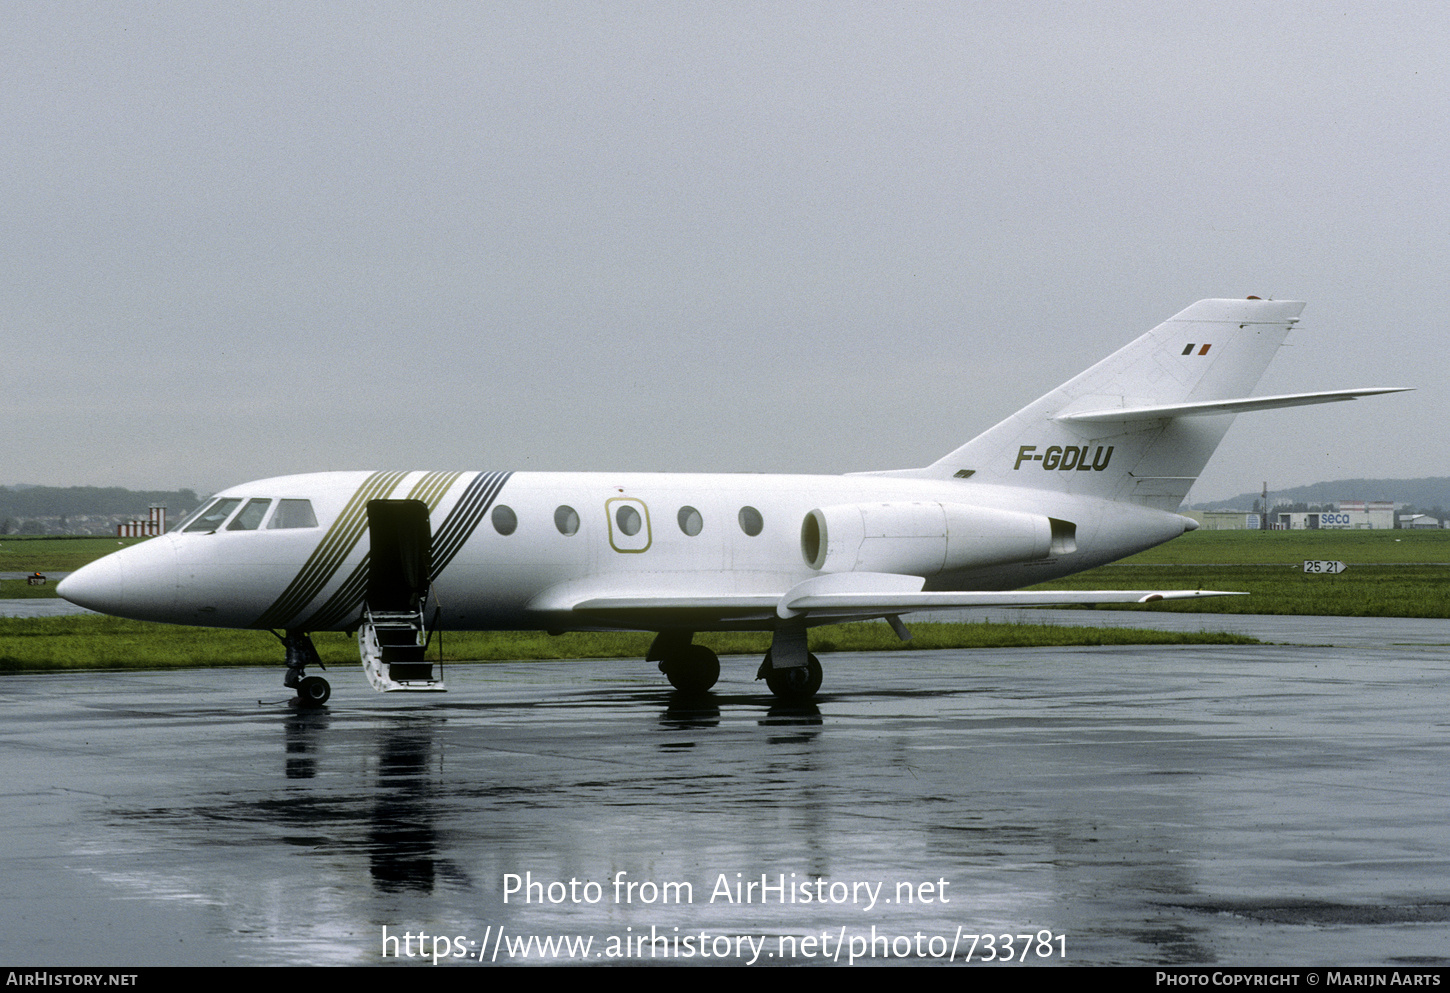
{"x":312,"y":691}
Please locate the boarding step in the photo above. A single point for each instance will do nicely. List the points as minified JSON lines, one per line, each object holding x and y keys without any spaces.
{"x":391,"y":644}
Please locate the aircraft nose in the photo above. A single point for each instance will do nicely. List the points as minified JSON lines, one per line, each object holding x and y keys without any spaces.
{"x":137,"y":582}
{"x":98,"y":586}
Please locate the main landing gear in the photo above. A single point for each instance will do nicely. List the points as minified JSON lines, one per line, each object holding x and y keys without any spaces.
{"x":795,"y":685}
{"x":792,"y":673}
{"x":691,"y":669}
{"x":312,"y":691}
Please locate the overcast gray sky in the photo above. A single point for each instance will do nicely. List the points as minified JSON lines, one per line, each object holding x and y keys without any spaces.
{"x":241,"y":240}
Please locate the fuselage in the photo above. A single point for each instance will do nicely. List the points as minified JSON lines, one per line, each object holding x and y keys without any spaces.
{"x":517,"y":550}
{"x":1088,"y":473}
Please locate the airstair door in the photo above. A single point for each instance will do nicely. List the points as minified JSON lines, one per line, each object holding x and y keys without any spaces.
{"x":394,"y":631}
{"x":402,"y":544}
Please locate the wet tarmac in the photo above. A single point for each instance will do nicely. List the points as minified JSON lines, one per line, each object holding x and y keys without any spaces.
{"x":1272,"y":628}
{"x":1259,"y":805}
{"x":41,"y":607}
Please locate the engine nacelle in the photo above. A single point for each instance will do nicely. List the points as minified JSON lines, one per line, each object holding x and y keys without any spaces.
{"x":924,"y":538}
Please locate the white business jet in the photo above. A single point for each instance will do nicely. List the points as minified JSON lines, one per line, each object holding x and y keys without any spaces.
{"x":1092,"y":472}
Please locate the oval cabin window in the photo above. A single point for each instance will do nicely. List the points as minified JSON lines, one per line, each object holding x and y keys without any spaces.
{"x":751,"y":522}
{"x":566,"y":519}
{"x":690,"y":521}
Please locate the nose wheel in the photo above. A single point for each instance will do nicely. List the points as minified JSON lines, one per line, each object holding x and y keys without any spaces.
{"x":312,"y":691}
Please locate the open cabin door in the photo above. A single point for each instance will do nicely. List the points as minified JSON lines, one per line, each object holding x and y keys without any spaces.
{"x":394,"y":631}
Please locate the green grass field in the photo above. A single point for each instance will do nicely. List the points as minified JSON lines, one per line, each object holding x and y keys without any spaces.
{"x":24,"y":553}
{"x":1389,"y":574}
{"x":1292,"y":547}
{"x":1362,"y":591}
{"x":19,"y":589}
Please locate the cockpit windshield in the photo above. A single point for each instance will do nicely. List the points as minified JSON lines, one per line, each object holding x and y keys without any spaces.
{"x":212,"y":518}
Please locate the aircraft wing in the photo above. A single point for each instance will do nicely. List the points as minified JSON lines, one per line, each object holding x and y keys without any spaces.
{"x":1206,"y":408}
{"x":839,"y":596}
{"x":901,"y":603}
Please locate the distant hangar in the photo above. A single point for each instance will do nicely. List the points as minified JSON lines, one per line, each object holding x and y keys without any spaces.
{"x":1350,"y":515}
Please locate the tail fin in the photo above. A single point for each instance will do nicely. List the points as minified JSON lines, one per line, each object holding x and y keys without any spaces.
{"x":1141,"y":424}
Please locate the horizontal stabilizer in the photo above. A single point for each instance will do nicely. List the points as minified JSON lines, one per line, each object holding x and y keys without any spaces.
{"x":1206,"y":408}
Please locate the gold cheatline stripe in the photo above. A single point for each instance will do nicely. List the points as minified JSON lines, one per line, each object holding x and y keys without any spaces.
{"x":331,"y":551}
{"x":472,"y":504}
{"x":430,"y":489}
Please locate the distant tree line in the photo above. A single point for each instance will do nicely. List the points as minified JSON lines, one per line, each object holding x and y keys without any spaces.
{"x":1431,"y":492}
{"x":1438,"y":512}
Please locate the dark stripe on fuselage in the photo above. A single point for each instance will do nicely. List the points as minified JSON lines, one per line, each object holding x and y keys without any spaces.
{"x":466,"y":514}
{"x":330,"y":552}
{"x":347,"y":600}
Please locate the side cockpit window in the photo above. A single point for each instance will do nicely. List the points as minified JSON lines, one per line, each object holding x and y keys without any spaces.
{"x":251,"y":516}
{"x":293,"y":514}
{"x":212,"y":517}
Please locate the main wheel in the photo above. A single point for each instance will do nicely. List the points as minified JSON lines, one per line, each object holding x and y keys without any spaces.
{"x":794,"y":685}
{"x":692,"y":671}
{"x":313,"y":691}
